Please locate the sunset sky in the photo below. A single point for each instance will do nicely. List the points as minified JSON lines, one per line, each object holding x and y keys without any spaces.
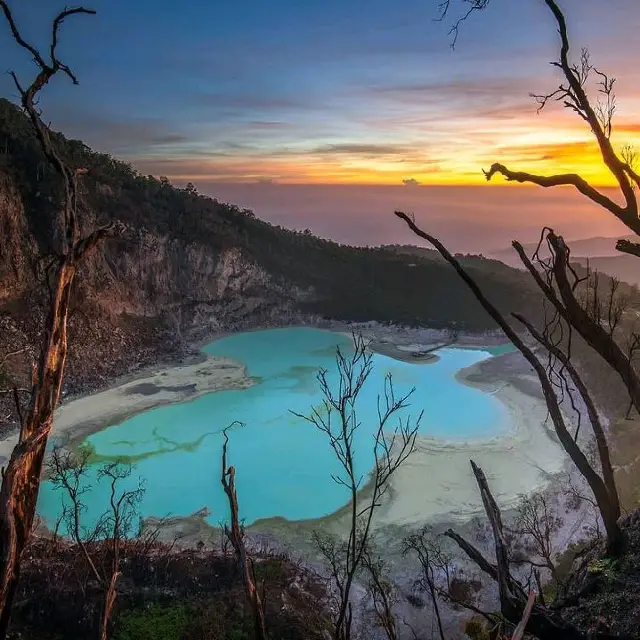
{"x":362,"y":92}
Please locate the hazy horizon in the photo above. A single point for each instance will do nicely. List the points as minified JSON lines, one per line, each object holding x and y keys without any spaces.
{"x":469,"y":219}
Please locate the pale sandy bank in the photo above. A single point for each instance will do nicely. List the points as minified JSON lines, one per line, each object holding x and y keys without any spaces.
{"x":76,"y":419}
{"x":436,"y":483}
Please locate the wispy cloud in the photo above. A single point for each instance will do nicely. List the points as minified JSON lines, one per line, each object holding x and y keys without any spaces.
{"x":544,"y":152}
{"x":253,"y":102}
{"x":308,"y":92}
{"x":363,"y":149}
{"x":121,"y":136}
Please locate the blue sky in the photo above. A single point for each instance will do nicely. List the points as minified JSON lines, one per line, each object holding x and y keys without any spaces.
{"x":291,"y":106}
{"x":250,"y":89}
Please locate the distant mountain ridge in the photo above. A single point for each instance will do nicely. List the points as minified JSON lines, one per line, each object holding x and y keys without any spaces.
{"x":623,"y":266}
{"x":597,"y":246}
{"x":598,"y":252}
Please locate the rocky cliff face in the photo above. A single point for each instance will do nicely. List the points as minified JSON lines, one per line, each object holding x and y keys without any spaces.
{"x":16,"y":243}
{"x":152,"y":275}
{"x":138,"y":299}
{"x":145,"y":273}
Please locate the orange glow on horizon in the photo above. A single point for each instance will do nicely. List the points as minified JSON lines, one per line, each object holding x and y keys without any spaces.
{"x":543,"y":146}
{"x":567,"y":158}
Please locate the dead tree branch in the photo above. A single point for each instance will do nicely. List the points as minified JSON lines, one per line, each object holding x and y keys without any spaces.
{"x":105,"y":540}
{"x":536,"y":523}
{"x":626,"y":246}
{"x":382,"y":593}
{"x":21,"y":479}
{"x":236,"y":537}
{"x":471,"y":6}
{"x":615,"y":538}
{"x":522,"y":625}
{"x":338,"y":419}
{"x":431,"y":557}
{"x":6,"y":356}
{"x":594,"y":418}
{"x":543,"y":623}
{"x":573,"y":95}
{"x":587,"y":324}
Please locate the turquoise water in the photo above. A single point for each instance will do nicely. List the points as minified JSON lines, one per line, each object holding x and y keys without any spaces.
{"x":499,"y":349}
{"x":283,"y":463}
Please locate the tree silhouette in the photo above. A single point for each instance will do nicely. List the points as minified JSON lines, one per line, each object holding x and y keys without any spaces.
{"x":337,"y":417}
{"x":596,"y":319}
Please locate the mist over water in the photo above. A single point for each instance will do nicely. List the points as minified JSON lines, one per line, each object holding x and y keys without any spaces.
{"x":283,"y":463}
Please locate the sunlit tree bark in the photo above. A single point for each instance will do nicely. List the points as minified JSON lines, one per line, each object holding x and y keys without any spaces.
{"x":21,"y":477}
{"x":235,"y":534}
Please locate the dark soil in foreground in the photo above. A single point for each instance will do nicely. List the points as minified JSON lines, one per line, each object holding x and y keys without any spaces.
{"x":163,"y":594}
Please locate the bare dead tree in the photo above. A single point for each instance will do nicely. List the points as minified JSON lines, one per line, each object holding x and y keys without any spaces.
{"x":21,"y":478}
{"x":536,"y":523}
{"x":68,"y":474}
{"x":439,"y":579}
{"x":117,"y":524}
{"x":566,"y":365}
{"x":235,"y":533}
{"x":432,"y":558}
{"x":558,"y":281}
{"x":610,"y":514}
{"x":337,"y":417}
{"x":573,"y":95}
{"x":559,"y":284}
{"x":576,"y":495}
{"x":102,"y":545}
{"x":381,"y":591}
{"x":544,"y":623}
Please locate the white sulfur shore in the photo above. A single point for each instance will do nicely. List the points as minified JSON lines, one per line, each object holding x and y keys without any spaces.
{"x":77,"y":418}
{"x":436,"y":483}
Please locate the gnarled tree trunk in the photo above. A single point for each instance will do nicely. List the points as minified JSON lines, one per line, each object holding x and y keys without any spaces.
{"x":236,"y":537}
{"x":21,"y":478}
